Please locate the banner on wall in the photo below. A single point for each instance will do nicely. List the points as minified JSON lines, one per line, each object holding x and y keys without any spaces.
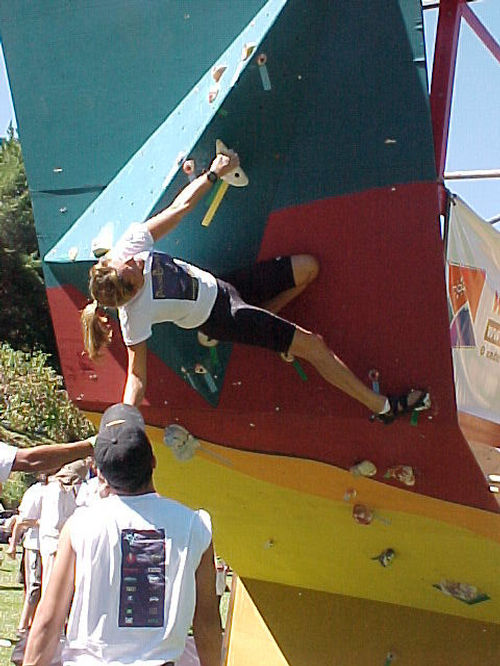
{"x":473,"y":288}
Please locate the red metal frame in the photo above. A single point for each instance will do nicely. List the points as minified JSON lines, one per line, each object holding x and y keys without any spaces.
{"x":443,"y":75}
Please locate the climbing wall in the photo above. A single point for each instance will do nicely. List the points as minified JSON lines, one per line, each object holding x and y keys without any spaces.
{"x":327,"y":105}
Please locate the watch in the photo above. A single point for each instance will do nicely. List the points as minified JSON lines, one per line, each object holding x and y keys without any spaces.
{"x":212,"y":176}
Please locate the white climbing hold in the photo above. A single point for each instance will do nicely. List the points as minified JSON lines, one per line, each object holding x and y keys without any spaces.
{"x":247,"y":50}
{"x":205,"y":341}
{"x":181,"y":441}
{"x":364,"y":468}
{"x":236,"y":177}
{"x":188,"y":167}
{"x":73,"y":253}
{"x":103,"y":242}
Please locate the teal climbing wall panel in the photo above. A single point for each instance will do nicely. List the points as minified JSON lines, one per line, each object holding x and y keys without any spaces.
{"x":122,"y":97}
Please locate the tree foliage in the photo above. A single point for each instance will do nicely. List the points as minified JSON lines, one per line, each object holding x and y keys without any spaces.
{"x":24,"y":316}
{"x":34,"y":409}
{"x":34,"y":406}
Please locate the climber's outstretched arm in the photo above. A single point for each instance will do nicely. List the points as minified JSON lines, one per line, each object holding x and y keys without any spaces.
{"x":135,"y":386}
{"x":161,"y":224}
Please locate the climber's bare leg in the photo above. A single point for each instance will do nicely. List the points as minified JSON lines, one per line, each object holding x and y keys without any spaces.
{"x":312,"y":348}
{"x":305,"y":269}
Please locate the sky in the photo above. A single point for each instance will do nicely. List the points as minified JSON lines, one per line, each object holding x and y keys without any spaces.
{"x":474,"y":138}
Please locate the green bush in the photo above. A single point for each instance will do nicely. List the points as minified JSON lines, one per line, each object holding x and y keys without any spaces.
{"x":14,"y":489}
{"x":34,"y":409}
{"x":33,"y":401}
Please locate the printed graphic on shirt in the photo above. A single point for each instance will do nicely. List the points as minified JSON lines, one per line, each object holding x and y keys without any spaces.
{"x":170,"y":280}
{"x":142,"y":581}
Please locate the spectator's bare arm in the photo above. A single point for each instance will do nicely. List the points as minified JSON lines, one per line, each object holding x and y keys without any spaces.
{"x":206,"y":624}
{"x":50,"y":457}
{"x":53,"y":608}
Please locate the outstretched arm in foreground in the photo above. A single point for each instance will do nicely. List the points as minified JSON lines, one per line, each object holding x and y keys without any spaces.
{"x":206,"y":624}
{"x":53,"y":608}
{"x":45,"y":458}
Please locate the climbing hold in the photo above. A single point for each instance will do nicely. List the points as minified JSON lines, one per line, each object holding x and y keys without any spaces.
{"x":201,"y":370}
{"x":73,"y":253}
{"x":188,"y":167}
{"x":390,"y":142}
{"x":269,"y":544}
{"x":188,"y":377}
{"x":374,"y":376}
{"x":103,"y":242}
{"x":205,"y":341}
{"x":469,"y":594}
{"x":218,"y":71}
{"x":386,"y":557}
{"x":247,"y":50}
{"x":212,"y":93}
{"x":264,"y":74}
{"x":362,"y":514}
{"x":181,"y":441}
{"x":364,"y":468}
{"x":390,"y":658}
{"x":57,"y":169}
{"x":402,"y":473}
{"x":211,"y":343}
{"x":289,"y":358}
{"x":63,"y":209}
{"x":350,"y":494}
{"x":236,"y":177}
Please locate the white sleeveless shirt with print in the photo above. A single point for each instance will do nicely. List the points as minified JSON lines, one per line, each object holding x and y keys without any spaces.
{"x":135,"y":590}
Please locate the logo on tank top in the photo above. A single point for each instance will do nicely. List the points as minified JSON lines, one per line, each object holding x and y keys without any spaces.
{"x":142,"y":579}
{"x":171,"y":281}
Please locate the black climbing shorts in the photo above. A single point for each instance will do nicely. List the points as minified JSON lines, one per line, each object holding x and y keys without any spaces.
{"x":236,"y":315}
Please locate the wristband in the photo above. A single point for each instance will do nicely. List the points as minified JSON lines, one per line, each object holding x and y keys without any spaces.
{"x":212,"y":176}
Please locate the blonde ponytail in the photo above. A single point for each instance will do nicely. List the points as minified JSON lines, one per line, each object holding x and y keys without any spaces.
{"x":108,"y":290}
{"x":96,"y":331}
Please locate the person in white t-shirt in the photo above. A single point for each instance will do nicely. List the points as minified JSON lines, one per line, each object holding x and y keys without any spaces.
{"x":27,"y":522}
{"x":58,"y":504}
{"x":150,"y":287}
{"x":135,"y":570}
{"x":91,"y":490}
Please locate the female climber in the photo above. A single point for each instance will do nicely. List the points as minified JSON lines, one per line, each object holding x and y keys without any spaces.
{"x":149,"y":287}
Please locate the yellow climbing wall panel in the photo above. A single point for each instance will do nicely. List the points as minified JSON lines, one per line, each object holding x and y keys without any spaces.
{"x":283,"y":625}
{"x":284,"y":520}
